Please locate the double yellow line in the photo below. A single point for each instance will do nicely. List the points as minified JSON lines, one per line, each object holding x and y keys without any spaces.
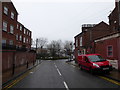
{"x":16,"y":81}
{"x":110,"y":80}
{"x":105,"y":78}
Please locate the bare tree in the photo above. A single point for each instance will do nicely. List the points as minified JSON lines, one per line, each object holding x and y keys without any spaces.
{"x":41,"y":42}
{"x":68,"y":46}
{"x":55,"y":47}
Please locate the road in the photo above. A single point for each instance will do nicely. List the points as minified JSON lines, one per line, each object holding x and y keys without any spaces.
{"x":59,"y":74}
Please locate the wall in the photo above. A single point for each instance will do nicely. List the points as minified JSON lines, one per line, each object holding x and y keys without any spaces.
{"x":14,"y":62}
{"x":101,"y":48}
{"x":118,"y":53}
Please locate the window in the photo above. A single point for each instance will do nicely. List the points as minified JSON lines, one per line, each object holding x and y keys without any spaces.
{"x":27,"y":40}
{"x":20,"y":28}
{"x":80,"y":41}
{"x":3,"y":41}
{"x":24,"y":30}
{"x":11,"y":29}
{"x":17,"y":26}
{"x":76,"y":42}
{"x":16,"y":36}
{"x":20,"y":37}
{"x":11,"y":42}
{"x":6,"y":10}
{"x":4,"y":26}
{"x":110,"y":51}
{"x":12,"y":15}
{"x":29,"y":33}
{"x":24,"y":40}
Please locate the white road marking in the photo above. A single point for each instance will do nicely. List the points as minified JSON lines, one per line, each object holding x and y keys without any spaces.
{"x":66,"y":86}
{"x":31,"y":72}
{"x":59,"y":72}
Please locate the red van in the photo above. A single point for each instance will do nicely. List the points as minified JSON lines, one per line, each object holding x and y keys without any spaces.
{"x":94,"y":63}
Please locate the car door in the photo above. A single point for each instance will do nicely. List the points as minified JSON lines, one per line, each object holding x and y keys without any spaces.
{"x":86,"y":63}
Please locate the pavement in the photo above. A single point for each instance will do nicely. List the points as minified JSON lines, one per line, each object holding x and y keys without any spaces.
{"x":21,"y":73}
{"x":114,"y":74}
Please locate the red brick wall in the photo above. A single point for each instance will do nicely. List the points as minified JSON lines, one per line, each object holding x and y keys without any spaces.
{"x":118,"y":53}
{"x":19,"y":58}
{"x":114,"y":19}
{"x":101,"y":48}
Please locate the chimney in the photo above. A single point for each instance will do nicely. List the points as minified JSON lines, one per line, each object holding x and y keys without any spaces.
{"x":117,"y":3}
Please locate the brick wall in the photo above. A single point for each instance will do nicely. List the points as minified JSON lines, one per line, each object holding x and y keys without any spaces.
{"x":15,"y":62}
{"x":119,"y":53}
{"x":101,"y":48}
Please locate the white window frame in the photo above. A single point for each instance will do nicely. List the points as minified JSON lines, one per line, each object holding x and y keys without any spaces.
{"x":4,"y":26}
{"x":12,"y":15}
{"x":16,"y":36}
{"x":3,"y":41}
{"x":27,"y":40}
{"x":81,"y":41}
{"x":20,"y":38}
{"x":20,"y":27}
{"x":11,"y":29}
{"x":11,"y":42}
{"x":76,"y":42}
{"x":24,"y":31}
{"x":24,"y":39}
{"x":17,"y":26}
{"x":5,"y":10}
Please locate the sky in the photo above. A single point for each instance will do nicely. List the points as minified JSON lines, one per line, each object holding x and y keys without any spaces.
{"x":61,"y":19}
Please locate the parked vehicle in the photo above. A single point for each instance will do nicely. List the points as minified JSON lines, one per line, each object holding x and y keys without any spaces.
{"x":94,"y":63}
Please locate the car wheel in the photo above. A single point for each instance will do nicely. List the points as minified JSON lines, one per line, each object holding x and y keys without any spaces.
{"x":91,"y":71}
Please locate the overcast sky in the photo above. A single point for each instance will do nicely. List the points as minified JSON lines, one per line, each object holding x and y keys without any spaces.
{"x":61,"y":19}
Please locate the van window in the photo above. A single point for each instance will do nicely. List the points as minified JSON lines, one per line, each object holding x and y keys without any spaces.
{"x":96,"y":58}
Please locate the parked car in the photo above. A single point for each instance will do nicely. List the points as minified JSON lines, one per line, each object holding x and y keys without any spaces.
{"x":94,"y":63}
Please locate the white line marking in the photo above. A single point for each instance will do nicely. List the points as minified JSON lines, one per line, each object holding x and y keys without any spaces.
{"x":55,"y":66}
{"x":66,"y":85}
{"x":59,"y":72}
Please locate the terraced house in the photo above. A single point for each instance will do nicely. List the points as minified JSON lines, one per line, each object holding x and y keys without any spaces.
{"x":14,"y":34}
{"x":17,"y":55}
{"x":101,"y":38}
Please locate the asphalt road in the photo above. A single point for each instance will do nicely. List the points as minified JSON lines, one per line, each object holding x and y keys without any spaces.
{"x":59,"y":74}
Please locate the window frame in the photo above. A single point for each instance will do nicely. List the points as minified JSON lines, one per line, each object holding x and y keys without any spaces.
{"x":11,"y":29}
{"x":20,"y":37}
{"x":5,"y":10}
{"x":10,"y":42}
{"x":109,"y":51}
{"x":4,"y":27}
{"x":5,"y":42}
{"x":12,"y":15}
{"x":21,"y":27}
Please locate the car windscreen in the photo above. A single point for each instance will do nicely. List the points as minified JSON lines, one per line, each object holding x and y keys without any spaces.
{"x":96,"y":58}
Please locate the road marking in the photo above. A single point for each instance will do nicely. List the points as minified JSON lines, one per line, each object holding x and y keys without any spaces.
{"x":110,"y":80}
{"x":17,"y":80}
{"x":31,"y":72}
{"x":105,"y":78}
{"x":59,"y":72}
{"x":66,"y":86}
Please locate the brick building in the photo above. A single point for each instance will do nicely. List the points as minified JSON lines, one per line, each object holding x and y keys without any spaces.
{"x":114,"y":17}
{"x":14,"y":34}
{"x":108,"y":46}
{"x":90,"y":32}
{"x":102,"y":38}
{"x":17,"y":55}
